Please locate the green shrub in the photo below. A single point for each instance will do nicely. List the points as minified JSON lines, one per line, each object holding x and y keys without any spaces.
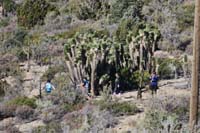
{"x":124,"y":27}
{"x":53,"y":127}
{"x":153,"y":119}
{"x":72,"y":31}
{"x":161,"y":121}
{"x":117,"y":108}
{"x":9,"y":5}
{"x":73,"y":107}
{"x":22,"y":56}
{"x":126,"y":9}
{"x":4,"y":22}
{"x":23,"y":101}
{"x":186,"y":17}
{"x":88,"y":9}
{"x":167,"y":68}
{"x":32,"y":12}
{"x":131,"y":80}
{"x":16,"y":40}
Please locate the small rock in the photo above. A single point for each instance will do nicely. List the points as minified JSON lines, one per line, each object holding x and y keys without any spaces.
{"x":28,"y":127}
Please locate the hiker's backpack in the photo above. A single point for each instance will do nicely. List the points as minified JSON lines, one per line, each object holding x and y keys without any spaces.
{"x":86,"y":84}
{"x":48,"y":87}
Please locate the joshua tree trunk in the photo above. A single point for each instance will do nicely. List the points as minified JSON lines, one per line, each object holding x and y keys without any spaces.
{"x":28,"y":65}
{"x":139,"y":95}
{"x":195,"y":69}
{"x":93,"y":69}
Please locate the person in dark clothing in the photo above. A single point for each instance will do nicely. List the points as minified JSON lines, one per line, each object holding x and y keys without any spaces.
{"x":117,"y":84}
{"x":154,"y":83}
{"x":85,"y":87}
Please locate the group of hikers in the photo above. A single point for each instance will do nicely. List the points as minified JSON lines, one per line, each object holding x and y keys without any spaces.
{"x":117,"y":86}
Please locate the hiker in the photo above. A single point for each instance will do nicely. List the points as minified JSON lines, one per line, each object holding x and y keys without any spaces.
{"x":117,"y":84}
{"x":49,"y":87}
{"x":85,"y":87}
{"x":154,"y":83}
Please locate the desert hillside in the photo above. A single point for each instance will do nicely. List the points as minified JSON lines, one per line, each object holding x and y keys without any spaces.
{"x":98,"y":57}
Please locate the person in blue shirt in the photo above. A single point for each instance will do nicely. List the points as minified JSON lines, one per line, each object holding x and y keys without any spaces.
{"x":49,"y":87}
{"x":85,"y":87}
{"x":154,"y":83}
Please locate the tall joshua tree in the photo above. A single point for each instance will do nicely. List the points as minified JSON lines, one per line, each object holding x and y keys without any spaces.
{"x":195,"y":68}
{"x":88,"y":54}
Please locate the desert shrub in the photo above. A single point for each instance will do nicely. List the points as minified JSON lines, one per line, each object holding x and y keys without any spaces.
{"x":186,"y":16}
{"x":52,"y":71}
{"x":89,"y":119}
{"x":22,"y":56}
{"x":52,"y":127}
{"x":20,"y":101}
{"x":72,"y":31}
{"x":166,"y":114}
{"x":16,"y":40}
{"x":126,"y":9}
{"x":98,"y":121}
{"x":118,"y":108}
{"x":61,"y":80}
{"x":3,"y":86}
{"x":168,"y":68}
{"x":88,"y":9}
{"x":74,"y":120}
{"x":153,"y":119}
{"x":48,"y":116}
{"x":52,"y":113}
{"x":4,"y":22}
{"x":131,"y":80}
{"x":24,"y":112}
{"x":161,"y":121}
{"x":9,"y":5}
{"x":124,"y":26}
{"x":7,"y":111}
{"x":73,"y":107}
{"x":32,"y":12}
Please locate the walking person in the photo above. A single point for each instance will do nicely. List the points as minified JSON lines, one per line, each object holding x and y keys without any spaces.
{"x":85,"y":87}
{"x":49,"y":87}
{"x":154,"y":83}
{"x":117,"y":84}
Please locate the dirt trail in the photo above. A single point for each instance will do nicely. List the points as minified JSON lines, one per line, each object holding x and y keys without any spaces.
{"x":167,"y":88}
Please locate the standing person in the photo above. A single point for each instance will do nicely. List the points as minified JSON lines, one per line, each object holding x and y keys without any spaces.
{"x":85,"y":87}
{"x":117,"y":84}
{"x":49,"y":87}
{"x":154,"y":83}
